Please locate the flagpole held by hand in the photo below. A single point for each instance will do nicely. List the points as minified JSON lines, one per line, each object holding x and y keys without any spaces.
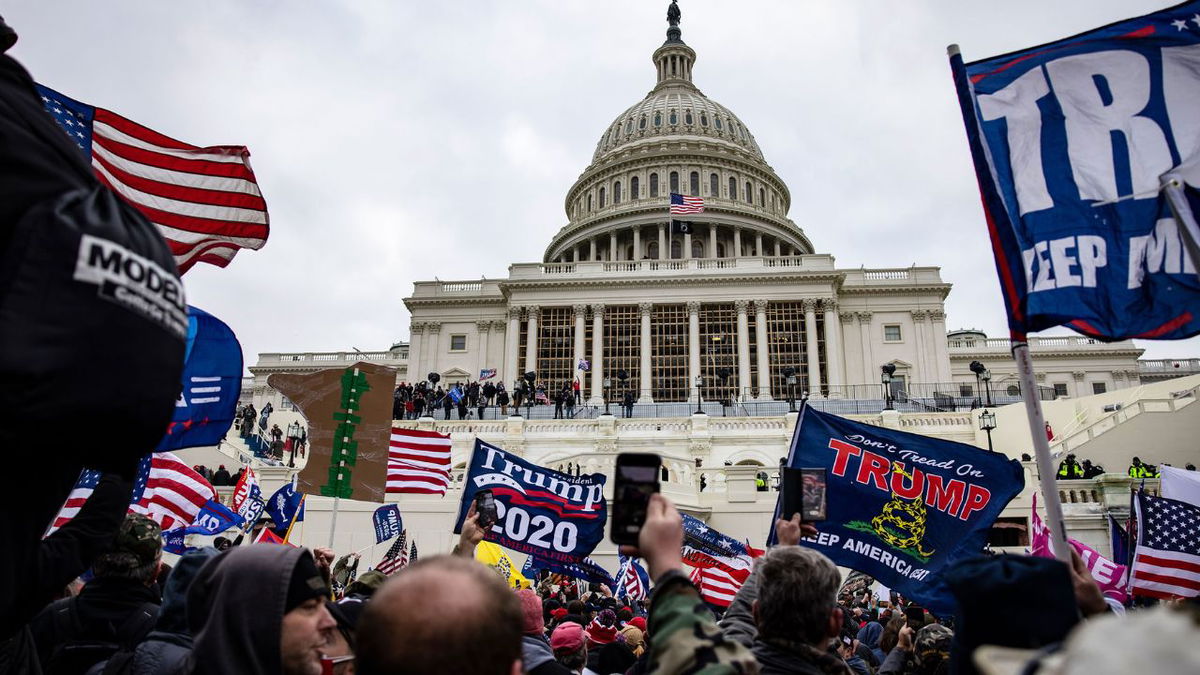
{"x":1041,"y":447}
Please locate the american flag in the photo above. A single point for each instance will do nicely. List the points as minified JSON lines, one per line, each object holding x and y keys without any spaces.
{"x":204,"y":201}
{"x":396,"y":556}
{"x":633,"y":579}
{"x":412,"y":557}
{"x":1166,"y":563}
{"x":168,"y":491}
{"x":682,"y":204}
{"x":418,"y":462}
{"x":719,"y":586}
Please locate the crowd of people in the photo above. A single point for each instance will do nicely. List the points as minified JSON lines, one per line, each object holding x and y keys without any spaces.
{"x":265,"y":608}
{"x":472,"y":399}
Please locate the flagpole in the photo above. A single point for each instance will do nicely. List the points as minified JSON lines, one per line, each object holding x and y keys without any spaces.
{"x":1041,"y":447}
{"x":295,"y":515}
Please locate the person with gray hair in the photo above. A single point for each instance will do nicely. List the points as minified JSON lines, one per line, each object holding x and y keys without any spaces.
{"x":787,"y":610}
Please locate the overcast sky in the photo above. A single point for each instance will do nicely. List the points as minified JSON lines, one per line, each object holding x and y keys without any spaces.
{"x":397,"y":141}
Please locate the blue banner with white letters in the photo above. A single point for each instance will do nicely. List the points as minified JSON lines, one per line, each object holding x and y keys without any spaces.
{"x":587,"y":569}
{"x":541,"y":511}
{"x":213,"y":518}
{"x":388,"y":522}
{"x":901,"y":507}
{"x":1073,"y":143}
{"x":212,"y":382}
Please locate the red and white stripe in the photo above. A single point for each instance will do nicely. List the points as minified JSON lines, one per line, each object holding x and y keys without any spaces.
{"x":1165,"y":574}
{"x":174,"y":492}
{"x":718,"y":586}
{"x":634,"y":588}
{"x":690,"y":205}
{"x":396,"y":557}
{"x":418,"y":462}
{"x":75,"y":501}
{"x":204,"y":201}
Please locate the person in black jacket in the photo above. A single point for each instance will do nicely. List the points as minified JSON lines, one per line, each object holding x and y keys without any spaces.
{"x":115,"y":610}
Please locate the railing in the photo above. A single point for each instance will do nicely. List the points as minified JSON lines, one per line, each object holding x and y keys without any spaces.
{"x":1035,"y":343}
{"x":1172,"y":367}
{"x":885,"y":275}
{"x":275,"y":359}
{"x":462,"y":286}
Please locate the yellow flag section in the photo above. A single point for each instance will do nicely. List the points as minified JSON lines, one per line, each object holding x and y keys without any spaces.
{"x":494,"y":557}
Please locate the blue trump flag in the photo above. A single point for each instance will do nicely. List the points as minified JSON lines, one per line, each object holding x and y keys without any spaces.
{"x":285,"y":507}
{"x":902,"y":507}
{"x":213,"y":518}
{"x":388,"y":523}
{"x":212,"y":382}
{"x":1087,"y":154}
{"x":541,"y":511}
{"x":586,"y":569}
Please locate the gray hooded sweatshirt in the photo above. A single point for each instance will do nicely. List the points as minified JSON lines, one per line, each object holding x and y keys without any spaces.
{"x":235,"y":610}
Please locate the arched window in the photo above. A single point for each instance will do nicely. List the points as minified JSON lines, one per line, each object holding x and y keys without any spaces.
{"x":687,"y":117}
{"x":589,"y":203}
{"x":703,"y":119}
{"x":652,"y":250}
{"x":658,"y":119}
{"x":653,"y":185}
{"x":601,"y":197}
{"x":675,"y":182}
{"x":697,"y":248}
{"x":617,"y":192}
{"x":676,"y":249}
{"x":714,"y":185}
{"x":749,"y":195}
{"x":762,"y":197}
{"x":629,"y":126}
{"x":694,"y":183}
{"x":635,"y":186}
{"x":673,"y":118}
{"x":642,"y":122}
{"x":732,"y":188}
{"x":717,"y":122}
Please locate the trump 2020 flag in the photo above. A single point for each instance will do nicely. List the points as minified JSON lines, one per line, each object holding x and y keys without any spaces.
{"x":541,"y":511}
{"x":902,"y":507}
{"x":212,"y":381}
{"x":1087,"y":153}
{"x":388,"y":522}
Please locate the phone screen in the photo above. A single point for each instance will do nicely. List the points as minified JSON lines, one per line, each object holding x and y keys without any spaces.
{"x":637,"y":479}
{"x":915,"y":616}
{"x":804,"y":493}
{"x":485,"y":506}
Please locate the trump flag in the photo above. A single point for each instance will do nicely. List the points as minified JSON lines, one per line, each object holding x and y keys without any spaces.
{"x":212,"y":382}
{"x":902,"y":507}
{"x":1087,"y":154}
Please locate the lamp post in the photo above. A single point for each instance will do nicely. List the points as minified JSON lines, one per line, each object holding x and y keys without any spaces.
{"x":886,"y":372}
{"x":699,"y":395}
{"x":984,"y":375}
{"x":622,"y":376}
{"x":607,"y":387}
{"x":789,"y":375}
{"x":987,"y":422}
{"x":723,"y":373}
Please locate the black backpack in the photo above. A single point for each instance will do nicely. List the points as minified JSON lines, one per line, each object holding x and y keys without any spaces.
{"x":75,"y":654}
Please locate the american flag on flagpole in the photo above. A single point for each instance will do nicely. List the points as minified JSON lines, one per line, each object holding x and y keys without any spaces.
{"x":719,"y":586}
{"x":166,"y":490}
{"x":1166,"y":563}
{"x":412,"y":556}
{"x":396,"y":556}
{"x":683,"y":205}
{"x":633,"y":579}
{"x":204,"y":201}
{"x":418,"y":462}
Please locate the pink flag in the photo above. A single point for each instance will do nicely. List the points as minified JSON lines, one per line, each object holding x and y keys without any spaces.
{"x":1109,"y":575}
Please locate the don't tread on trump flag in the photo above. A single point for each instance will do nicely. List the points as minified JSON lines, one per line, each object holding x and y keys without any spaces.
{"x":1087,"y":154}
{"x":902,"y":507}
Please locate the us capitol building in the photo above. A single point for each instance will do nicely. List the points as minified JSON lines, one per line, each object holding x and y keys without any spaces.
{"x":715,"y":325}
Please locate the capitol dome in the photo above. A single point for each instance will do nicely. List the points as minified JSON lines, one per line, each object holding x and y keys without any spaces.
{"x":676,"y":140}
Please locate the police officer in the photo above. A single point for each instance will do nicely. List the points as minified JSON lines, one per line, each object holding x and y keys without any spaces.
{"x":1137,"y":469}
{"x":1069,"y":469}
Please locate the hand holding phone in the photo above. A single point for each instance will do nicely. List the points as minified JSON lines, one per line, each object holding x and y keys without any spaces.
{"x":637,"y":479}
{"x":804,"y":493}
{"x":485,"y":507}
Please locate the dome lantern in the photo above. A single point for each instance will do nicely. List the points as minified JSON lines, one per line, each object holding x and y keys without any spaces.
{"x":674,"y":59}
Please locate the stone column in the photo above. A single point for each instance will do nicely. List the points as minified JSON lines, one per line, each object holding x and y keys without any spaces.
{"x":646,"y":395}
{"x":664,"y":252}
{"x":597,"y":355}
{"x":743,"y":348}
{"x":592,"y":249}
{"x":637,"y":242}
{"x":834,"y":364}
{"x":580,"y":312}
{"x":815,"y":384}
{"x":613,"y":253}
{"x":693,"y":309}
{"x":532,"y":314}
{"x":758,"y":244}
{"x":416,"y":351}
{"x":918,"y":341}
{"x":778,"y":248}
{"x":483,"y":329}
{"x":870,"y":368}
{"x":764,"y":362}
{"x":712,"y":240}
{"x":737,"y":242}
{"x":432,"y":345}
{"x":941,"y":349}
{"x":687,"y":246}
{"x":846,"y":319}
{"x":512,"y":341}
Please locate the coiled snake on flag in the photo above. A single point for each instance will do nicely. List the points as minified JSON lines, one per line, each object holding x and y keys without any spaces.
{"x":893,"y":515}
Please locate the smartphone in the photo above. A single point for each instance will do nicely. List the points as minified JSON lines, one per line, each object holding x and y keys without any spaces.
{"x":804,"y":493}
{"x":637,"y":479}
{"x":485,"y":506}
{"x":915,"y":616}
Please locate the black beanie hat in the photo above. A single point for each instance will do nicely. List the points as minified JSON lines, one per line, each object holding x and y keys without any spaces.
{"x":306,"y":583}
{"x":1011,"y":601}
